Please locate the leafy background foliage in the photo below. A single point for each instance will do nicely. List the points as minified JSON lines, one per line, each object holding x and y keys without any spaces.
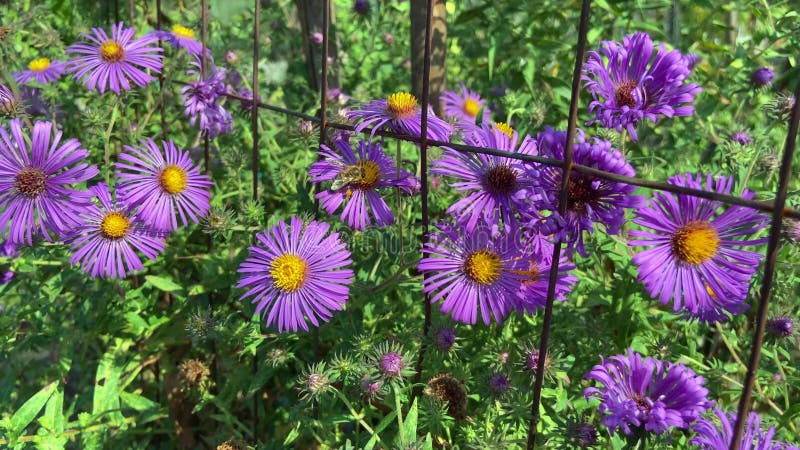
{"x":97,"y":364}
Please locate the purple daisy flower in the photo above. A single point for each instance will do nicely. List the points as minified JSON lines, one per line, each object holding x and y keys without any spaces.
{"x":201,"y":99}
{"x":295,"y":273}
{"x":694,"y":260}
{"x":647,"y":393}
{"x":36,"y":197}
{"x":717,"y":436}
{"x":498,"y":186}
{"x":464,"y":107}
{"x":591,"y":199}
{"x":161,"y":183}
{"x":181,"y":37}
{"x":762,"y":76}
{"x":42,"y":70}
{"x":637,"y":84}
{"x":533,"y":290}
{"x":115,"y":61}
{"x":471,"y":271}
{"x":741,"y":138}
{"x":356,"y":180}
{"x":106,"y":241}
{"x":781,"y":327}
{"x":9,"y":103}
{"x":400,"y":113}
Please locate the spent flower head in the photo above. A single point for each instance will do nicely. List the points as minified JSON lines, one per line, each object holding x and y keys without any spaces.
{"x":315,"y":381}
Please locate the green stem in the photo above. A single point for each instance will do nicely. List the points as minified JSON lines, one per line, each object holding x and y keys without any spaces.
{"x":109,"y":130}
{"x":358,"y":417}
{"x":399,"y":206}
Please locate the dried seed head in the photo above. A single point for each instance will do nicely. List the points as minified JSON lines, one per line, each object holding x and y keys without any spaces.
{"x":193,"y":372}
{"x":446,"y":389}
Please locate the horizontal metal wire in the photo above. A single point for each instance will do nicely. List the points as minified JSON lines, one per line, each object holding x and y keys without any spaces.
{"x":761,"y":205}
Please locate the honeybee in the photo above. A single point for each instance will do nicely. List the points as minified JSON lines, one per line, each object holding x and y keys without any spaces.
{"x":348,"y":175}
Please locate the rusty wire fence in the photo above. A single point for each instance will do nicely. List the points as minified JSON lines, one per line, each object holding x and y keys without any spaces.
{"x":776,"y":207}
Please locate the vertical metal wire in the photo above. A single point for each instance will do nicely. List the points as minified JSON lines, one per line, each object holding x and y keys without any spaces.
{"x":423,"y":162}
{"x":254,"y":106}
{"x":161,"y":75}
{"x":562,"y":209}
{"x":203,"y":69}
{"x":769,"y":272}
{"x":323,"y":85}
{"x":255,"y":157}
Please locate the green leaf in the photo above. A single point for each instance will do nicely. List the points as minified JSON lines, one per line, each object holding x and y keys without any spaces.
{"x":163,"y":283}
{"x":28,"y":411}
{"x":381,"y":426}
{"x":410,"y":424}
{"x":492,"y":53}
{"x":54,"y":419}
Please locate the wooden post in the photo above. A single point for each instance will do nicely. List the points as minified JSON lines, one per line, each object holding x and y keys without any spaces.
{"x":438,"y":49}
{"x":310,"y":14}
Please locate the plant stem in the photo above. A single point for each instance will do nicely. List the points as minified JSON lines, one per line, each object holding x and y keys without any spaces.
{"x":358,"y":417}
{"x":109,"y":130}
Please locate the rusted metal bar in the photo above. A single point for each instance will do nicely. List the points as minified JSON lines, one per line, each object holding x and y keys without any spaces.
{"x":161,"y":76}
{"x":203,"y":70}
{"x":254,"y":106}
{"x":566,"y":167}
{"x":761,"y":205}
{"x":769,"y":272}
{"x":423,"y":161}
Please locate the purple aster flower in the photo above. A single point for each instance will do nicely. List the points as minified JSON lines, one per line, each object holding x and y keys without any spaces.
{"x":400,"y":113}
{"x":201,"y":99}
{"x":533,"y":290}
{"x":36,"y":197}
{"x":694,"y":260}
{"x":498,"y":186}
{"x":163,"y":183}
{"x":637,"y":84}
{"x":110,"y":234}
{"x":591,"y":199}
{"x":9,"y":250}
{"x":297,"y":273}
{"x":647,"y":393}
{"x":247,"y":98}
{"x":115,"y":61}
{"x":781,"y":327}
{"x":42,"y":70}
{"x":464,"y":107}
{"x":36,"y":106}
{"x":741,"y":138}
{"x":499,"y":383}
{"x":356,"y":179}
{"x":391,"y":364}
{"x":717,"y":436}
{"x":471,"y":271}
{"x":692,"y":59}
{"x":762,"y":76}
{"x":361,"y":6}
{"x":9,"y":103}
{"x":181,"y":37}
{"x":444,"y":339}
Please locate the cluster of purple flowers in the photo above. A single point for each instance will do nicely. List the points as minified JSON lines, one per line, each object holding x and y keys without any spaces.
{"x":39,"y":198}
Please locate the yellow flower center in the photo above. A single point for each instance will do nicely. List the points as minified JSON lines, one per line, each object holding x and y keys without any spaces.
{"x":39,"y":65}
{"x":111,"y":51}
{"x":182,"y":32}
{"x":114,"y":225}
{"x":288,"y":272}
{"x":471,"y":107}
{"x":402,"y":105}
{"x":30,"y":182}
{"x":370,"y":174}
{"x":505,"y":128}
{"x":483,"y":267}
{"x":173,"y":179}
{"x":695,"y":242}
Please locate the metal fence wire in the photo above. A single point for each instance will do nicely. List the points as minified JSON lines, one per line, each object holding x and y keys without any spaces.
{"x":776,"y":206}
